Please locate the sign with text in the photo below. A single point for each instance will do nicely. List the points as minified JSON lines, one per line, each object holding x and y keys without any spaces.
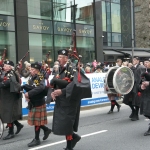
{"x":40,"y":26}
{"x":7,"y":23}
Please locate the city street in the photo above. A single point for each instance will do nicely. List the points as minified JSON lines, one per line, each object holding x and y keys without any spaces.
{"x":99,"y":131}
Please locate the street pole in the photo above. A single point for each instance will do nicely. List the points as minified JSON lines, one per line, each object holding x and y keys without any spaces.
{"x":132,"y":28}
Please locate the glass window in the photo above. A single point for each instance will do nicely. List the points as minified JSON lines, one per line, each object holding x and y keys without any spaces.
{"x":137,"y":8}
{"x":7,"y":7}
{"x":62,"y":10}
{"x":115,"y":17}
{"x":109,"y":39}
{"x":86,"y":48}
{"x":84,"y":12}
{"x":40,"y":45}
{"x":115,"y":1}
{"x":7,"y":40}
{"x":104,"y":15}
{"x":116,"y":39}
{"x":41,"y":9}
{"x":108,"y":15}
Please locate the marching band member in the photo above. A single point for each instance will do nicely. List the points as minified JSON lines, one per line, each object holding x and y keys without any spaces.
{"x":37,"y":116}
{"x":66,"y":112}
{"x":10,"y":104}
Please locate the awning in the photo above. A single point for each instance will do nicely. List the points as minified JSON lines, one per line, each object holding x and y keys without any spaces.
{"x":138,"y":53}
{"x":109,"y":52}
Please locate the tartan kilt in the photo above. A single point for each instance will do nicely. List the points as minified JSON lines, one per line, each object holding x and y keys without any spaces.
{"x":37,"y":116}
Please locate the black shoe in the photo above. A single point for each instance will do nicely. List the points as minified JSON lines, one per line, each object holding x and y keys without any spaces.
{"x":118,"y":107}
{"x":110,"y":112}
{"x":34,"y":142}
{"x":9,"y":136}
{"x":135,"y":117}
{"x":76,"y":139}
{"x":19,"y":128}
{"x":131,"y":116}
{"x":147,"y":132}
{"x":46,"y":134}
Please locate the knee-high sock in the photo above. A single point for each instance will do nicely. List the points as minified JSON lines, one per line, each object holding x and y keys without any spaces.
{"x":116,"y":103}
{"x":37,"y":132}
{"x":11,"y":128}
{"x":112,"y":105}
{"x":69,"y":141}
{"x":131,"y":106}
{"x":136,"y":110}
{"x":16,"y":122}
{"x":44,"y":128}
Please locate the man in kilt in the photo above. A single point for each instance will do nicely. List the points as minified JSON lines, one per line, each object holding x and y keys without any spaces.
{"x":37,"y":116}
{"x":66,"y":112}
{"x":10,"y":101}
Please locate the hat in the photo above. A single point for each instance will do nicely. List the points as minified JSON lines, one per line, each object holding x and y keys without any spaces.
{"x":9,"y":62}
{"x":136,"y":57}
{"x":36,"y":65}
{"x":63,"y":52}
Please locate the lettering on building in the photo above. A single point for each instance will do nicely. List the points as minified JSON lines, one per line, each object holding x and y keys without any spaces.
{"x":64,"y":29}
{"x":40,"y":27}
{"x":4,"y":24}
{"x":85,"y":31}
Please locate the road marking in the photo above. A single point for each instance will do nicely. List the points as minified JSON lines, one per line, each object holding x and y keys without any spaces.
{"x":63,"y":141}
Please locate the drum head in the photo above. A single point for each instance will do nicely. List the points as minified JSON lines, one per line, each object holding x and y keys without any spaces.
{"x":123,"y":80}
{"x":109,"y":80}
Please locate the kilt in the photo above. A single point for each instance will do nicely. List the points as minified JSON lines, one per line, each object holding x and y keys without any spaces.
{"x":37,"y":116}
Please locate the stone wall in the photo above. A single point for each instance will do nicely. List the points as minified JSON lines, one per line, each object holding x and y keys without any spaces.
{"x":142,"y":24}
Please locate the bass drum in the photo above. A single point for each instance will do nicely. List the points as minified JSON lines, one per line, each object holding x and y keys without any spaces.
{"x":119,"y":80}
{"x":1,"y":128}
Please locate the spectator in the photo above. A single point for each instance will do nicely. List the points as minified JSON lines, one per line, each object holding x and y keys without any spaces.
{"x":55,"y":69}
{"x":88,"y":69}
{"x":98,"y":69}
{"x":26,"y":71}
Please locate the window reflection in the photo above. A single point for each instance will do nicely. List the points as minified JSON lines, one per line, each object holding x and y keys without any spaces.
{"x":7,"y":40}
{"x":40,"y":45}
{"x":104,"y":15}
{"x":115,"y":17}
{"x":7,"y":7}
{"x":84,"y":13}
{"x":62,"y":10}
{"x":41,"y":9}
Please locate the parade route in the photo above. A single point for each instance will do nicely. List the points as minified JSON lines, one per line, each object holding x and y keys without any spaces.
{"x":99,"y":131}
{"x":48,"y":145}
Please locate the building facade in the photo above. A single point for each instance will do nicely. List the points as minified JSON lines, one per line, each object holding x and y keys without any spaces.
{"x":103,"y":28}
{"x":142,"y":23}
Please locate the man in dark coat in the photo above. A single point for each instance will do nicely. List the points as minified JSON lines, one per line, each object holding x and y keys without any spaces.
{"x":133,"y":99}
{"x":66,"y":112}
{"x":10,"y":103}
{"x":144,"y":87}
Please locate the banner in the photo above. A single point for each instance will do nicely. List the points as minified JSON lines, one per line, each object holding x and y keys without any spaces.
{"x":97,"y":87}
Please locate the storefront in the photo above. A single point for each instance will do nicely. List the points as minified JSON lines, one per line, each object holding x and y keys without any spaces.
{"x":41,"y":26}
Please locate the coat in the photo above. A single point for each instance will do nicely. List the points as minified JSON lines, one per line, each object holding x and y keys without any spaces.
{"x":10,"y":102}
{"x":133,"y":95}
{"x":67,"y":108}
{"x":145,"y":96}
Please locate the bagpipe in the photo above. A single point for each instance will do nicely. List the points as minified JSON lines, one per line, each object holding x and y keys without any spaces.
{"x":18,"y":66}
{"x":76,"y":83}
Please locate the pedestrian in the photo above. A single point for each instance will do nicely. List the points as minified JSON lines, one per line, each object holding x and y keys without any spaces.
{"x":132,"y":99}
{"x":37,"y":115}
{"x":10,"y":103}
{"x":66,"y":112}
